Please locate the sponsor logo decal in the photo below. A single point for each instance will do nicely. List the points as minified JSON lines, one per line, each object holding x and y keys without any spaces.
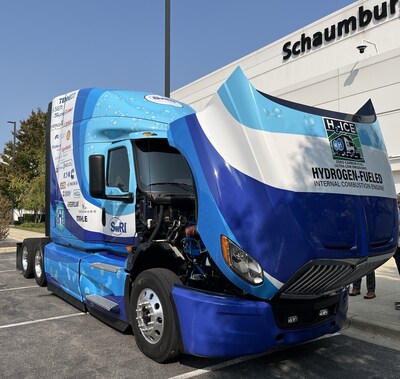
{"x":344,"y":140}
{"x":66,"y":148}
{"x":117,"y":227}
{"x":65,"y":164}
{"x":84,"y":209}
{"x":58,"y":108}
{"x":70,"y":175}
{"x":163,"y":100}
{"x":69,"y":97}
{"x":349,"y":169}
{"x":56,"y":126}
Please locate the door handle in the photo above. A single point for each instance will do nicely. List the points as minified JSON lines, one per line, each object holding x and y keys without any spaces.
{"x":103,"y":216}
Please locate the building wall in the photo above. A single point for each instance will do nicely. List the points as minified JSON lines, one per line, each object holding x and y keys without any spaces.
{"x":333,"y":75}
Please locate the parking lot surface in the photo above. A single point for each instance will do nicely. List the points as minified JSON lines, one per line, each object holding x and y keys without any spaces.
{"x":43,"y":336}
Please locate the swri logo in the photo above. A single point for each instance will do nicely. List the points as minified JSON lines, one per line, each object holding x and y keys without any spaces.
{"x":344,"y":140}
{"x":117,"y":227}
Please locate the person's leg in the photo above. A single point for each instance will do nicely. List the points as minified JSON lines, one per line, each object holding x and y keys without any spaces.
{"x":370,"y":286}
{"x":356,"y":288}
{"x":396,"y":257}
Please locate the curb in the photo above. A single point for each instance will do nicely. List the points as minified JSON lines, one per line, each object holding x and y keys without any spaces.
{"x":375,"y":328}
{"x":4,"y":250}
{"x":8,"y":242}
{"x":8,"y":245}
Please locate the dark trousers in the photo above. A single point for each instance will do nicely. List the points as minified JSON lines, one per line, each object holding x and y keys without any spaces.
{"x":370,"y":282}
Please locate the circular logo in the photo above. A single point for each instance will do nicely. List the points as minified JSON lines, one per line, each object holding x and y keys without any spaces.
{"x":163,"y":100}
{"x":338,"y":144}
{"x":117,"y":227}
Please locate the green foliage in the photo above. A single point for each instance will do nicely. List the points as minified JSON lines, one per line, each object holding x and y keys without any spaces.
{"x":38,"y":227}
{"x":5,"y":217}
{"x":24,"y":176}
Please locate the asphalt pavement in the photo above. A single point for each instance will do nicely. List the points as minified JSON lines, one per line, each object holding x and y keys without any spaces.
{"x":377,"y":315}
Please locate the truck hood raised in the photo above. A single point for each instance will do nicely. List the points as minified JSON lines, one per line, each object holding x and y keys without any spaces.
{"x":287,"y":183}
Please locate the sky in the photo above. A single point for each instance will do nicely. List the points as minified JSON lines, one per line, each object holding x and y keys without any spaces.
{"x":52,"y":47}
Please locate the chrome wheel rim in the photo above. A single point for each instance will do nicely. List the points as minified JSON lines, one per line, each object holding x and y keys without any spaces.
{"x":38,"y":264}
{"x":25,"y":258}
{"x":150,"y":316}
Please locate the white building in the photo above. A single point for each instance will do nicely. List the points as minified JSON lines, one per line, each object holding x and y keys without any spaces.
{"x":337,"y":63}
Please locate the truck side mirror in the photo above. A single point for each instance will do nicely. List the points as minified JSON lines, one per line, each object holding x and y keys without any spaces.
{"x":97,"y":181}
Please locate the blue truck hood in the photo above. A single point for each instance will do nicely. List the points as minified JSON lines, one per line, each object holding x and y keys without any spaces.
{"x":286,"y":182}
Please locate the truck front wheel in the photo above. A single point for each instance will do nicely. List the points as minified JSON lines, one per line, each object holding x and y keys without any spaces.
{"x":154,"y":320}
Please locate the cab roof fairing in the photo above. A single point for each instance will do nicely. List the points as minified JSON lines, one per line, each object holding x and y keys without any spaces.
{"x":112,"y":129}
{"x":113,"y":105}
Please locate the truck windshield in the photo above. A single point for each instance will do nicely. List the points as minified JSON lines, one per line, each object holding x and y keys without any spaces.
{"x":161,"y":168}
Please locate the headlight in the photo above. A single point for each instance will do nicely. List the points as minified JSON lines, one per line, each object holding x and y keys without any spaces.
{"x":241,"y":262}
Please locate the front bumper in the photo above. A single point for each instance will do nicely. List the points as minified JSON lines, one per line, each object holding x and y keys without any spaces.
{"x":213,"y":325}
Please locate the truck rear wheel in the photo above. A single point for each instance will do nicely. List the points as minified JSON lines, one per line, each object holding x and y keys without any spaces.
{"x":27,"y":259}
{"x":154,"y":320}
{"x":39,"y":273}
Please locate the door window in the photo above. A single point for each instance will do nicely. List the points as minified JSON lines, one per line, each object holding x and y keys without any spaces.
{"x":118,"y":169}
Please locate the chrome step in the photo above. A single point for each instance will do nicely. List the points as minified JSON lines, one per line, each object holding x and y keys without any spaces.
{"x":104,"y":303}
{"x":105,"y":266}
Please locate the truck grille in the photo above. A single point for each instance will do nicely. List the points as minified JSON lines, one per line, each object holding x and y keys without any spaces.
{"x":321,"y":277}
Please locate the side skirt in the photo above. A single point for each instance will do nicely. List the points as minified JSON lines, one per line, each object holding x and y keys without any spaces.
{"x":111,"y":321}
{"x":68,"y":298}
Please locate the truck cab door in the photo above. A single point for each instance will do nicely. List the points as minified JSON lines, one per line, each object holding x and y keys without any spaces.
{"x":118,"y":215}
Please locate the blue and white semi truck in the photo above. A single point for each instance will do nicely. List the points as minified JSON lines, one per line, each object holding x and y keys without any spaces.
{"x":219,"y":233}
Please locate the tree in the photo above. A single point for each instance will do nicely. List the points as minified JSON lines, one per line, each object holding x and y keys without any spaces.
{"x":5,"y":216}
{"x":24,"y":176}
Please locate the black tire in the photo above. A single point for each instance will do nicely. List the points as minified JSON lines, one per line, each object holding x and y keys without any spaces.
{"x":38,"y":270}
{"x":28,"y":258}
{"x":154,"y":321}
